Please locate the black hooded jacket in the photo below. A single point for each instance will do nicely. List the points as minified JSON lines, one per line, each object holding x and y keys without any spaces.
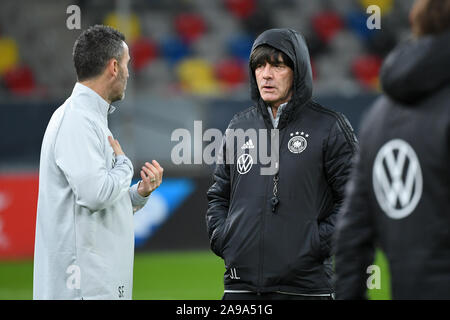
{"x":399,"y":197}
{"x":287,"y":249}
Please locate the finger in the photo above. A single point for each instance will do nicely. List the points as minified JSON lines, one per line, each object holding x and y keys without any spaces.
{"x":116,"y":146}
{"x":144,"y":177}
{"x":156,"y":164}
{"x":145,"y":171}
{"x":158,"y":167}
{"x":111,"y":141}
{"x":149,"y":173}
{"x":154,"y":171}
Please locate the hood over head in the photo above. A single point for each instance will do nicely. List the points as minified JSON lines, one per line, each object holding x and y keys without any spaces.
{"x":294,"y":46}
{"x":417,"y":68}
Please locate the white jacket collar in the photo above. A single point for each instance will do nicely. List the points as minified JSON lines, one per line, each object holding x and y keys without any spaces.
{"x":98,"y":103}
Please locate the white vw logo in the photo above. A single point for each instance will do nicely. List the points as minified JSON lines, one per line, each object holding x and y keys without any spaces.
{"x":397,"y":179}
{"x":244,"y":163}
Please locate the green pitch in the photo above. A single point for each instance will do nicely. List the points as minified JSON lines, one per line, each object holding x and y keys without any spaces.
{"x":193,"y":275}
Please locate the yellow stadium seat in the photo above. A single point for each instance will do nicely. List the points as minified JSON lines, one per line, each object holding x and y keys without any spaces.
{"x":196,"y":76}
{"x":129,"y":25}
{"x":385,"y":5}
{"x":10,"y":54}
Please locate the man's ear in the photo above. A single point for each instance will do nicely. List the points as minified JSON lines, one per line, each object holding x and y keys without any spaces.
{"x":113,"y":67}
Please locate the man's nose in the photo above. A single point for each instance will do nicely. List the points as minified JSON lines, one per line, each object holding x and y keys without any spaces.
{"x":267,"y":71}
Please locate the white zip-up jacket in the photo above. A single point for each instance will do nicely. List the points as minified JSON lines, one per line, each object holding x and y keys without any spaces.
{"x":84,"y":245}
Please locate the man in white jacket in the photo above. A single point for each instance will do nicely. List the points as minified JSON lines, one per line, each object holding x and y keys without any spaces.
{"x":84,"y":246}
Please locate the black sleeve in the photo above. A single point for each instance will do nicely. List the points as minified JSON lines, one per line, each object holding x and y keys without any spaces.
{"x":218,"y":201}
{"x":339,"y":150}
{"x":355,"y":235}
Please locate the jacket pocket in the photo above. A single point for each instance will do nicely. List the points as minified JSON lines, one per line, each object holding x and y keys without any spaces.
{"x":316,"y":245}
{"x":218,"y":241}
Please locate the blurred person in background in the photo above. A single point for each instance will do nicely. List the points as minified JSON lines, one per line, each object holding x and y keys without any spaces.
{"x":274,"y":231}
{"x":84,"y":246}
{"x":398,"y":197}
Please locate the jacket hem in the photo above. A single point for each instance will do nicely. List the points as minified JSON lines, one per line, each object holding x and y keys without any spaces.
{"x":283,"y":289}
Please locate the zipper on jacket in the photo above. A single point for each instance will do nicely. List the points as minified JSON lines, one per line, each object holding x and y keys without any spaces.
{"x":274,"y":200}
{"x":261,"y":241}
{"x":274,"y":203}
{"x":269,"y":127}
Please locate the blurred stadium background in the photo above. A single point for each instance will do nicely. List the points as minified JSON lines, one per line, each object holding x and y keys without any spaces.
{"x":189,"y":62}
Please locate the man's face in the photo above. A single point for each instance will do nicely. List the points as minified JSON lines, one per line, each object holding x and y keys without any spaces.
{"x":274,"y":82}
{"x":120,"y":84}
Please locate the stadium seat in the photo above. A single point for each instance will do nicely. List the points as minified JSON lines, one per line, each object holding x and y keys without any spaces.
{"x":240,"y":46}
{"x":241,"y":9}
{"x":129,"y":25}
{"x":210,"y":47}
{"x":174,"y":49}
{"x":231,"y":72}
{"x":156,"y":76}
{"x":326,"y":24}
{"x":20,"y":80}
{"x":142,"y":51}
{"x":356,"y":21}
{"x":214,"y":31}
{"x":345,"y":47}
{"x":190,"y":26}
{"x":384,"y":5}
{"x":366,"y":70}
{"x":10,"y":54}
{"x":196,"y":76}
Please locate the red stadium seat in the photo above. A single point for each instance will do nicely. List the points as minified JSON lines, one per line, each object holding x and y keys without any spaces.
{"x":366,"y":70}
{"x":20,"y":80}
{"x":143,"y":51}
{"x":190,"y":26}
{"x":231,"y":72}
{"x":241,"y":8}
{"x":326,"y":24}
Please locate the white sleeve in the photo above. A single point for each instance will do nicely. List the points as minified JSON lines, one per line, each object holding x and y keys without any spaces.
{"x":137,"y":200}
{"x":79,"y":153}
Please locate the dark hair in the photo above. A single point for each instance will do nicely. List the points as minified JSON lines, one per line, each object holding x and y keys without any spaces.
{"x":268,"y":54}
{"x":430,"y":17}
{"x":94,"y":48}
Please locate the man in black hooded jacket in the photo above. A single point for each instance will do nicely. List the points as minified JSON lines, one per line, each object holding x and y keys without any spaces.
{"x":274,"y":231}
{"x":398,"y":197}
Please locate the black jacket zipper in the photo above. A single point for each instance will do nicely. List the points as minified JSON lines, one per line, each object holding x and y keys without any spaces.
{"x":269,"y":127}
